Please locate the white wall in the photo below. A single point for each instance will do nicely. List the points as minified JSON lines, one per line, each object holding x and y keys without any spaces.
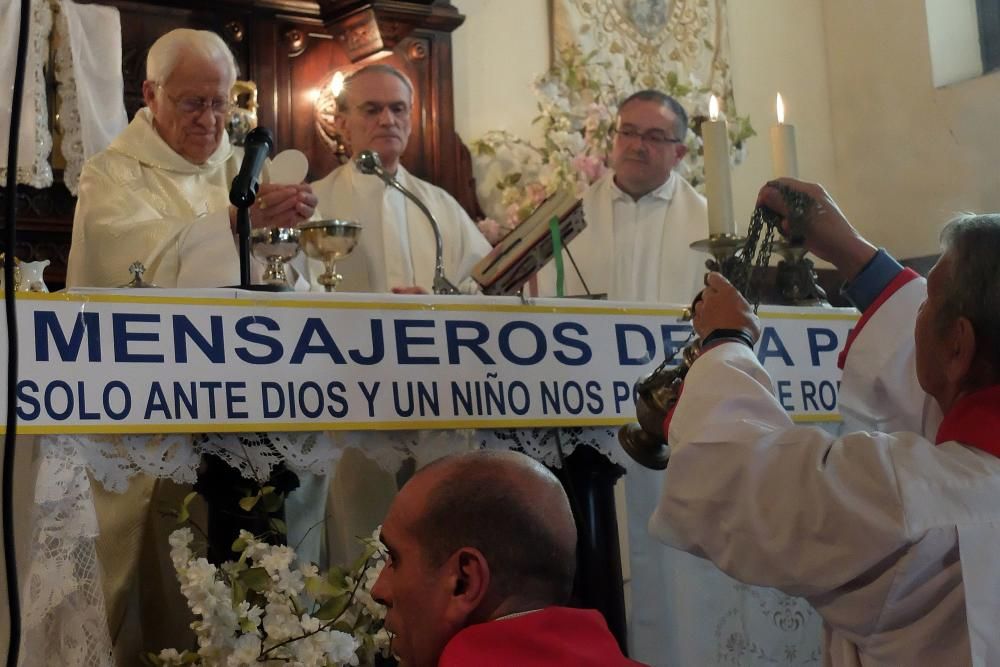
{"x":908,"y":155}
{"x":497,"y":53}
{"x":778,"y":46}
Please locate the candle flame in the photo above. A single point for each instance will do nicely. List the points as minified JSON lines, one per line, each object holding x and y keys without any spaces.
{"x":781,"y":110}
{"x":713,"y":109}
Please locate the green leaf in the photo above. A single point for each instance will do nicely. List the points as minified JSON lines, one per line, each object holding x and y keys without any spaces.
{"x":279,"y":526}
{"x":333,"y":607}
{"x":336,"y":575}
{"x":321,"y":589}
{"x":185,"y":514}
{"x":256,"y":579}
{"x":248,"y":503}
{"x":267,"y":490}
{"x":239,"y":545}
{"x":273,"y":502}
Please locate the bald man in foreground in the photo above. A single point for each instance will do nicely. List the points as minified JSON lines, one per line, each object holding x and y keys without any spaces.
{"x":482,"y":554}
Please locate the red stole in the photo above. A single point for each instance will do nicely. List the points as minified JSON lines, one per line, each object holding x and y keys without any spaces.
{"x":974,"y":420}
{"x":551,"y":637}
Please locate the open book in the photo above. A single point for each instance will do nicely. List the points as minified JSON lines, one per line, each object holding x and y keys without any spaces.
{"x":523,"y":252}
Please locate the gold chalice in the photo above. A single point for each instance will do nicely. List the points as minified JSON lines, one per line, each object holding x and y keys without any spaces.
{"x":328,"y":241}
{"x":274,"y":246}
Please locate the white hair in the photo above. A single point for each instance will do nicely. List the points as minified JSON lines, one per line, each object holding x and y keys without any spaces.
{"x":168,"y":50}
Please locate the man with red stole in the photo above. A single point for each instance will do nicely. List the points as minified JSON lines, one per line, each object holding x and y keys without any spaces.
{"x":890,"y":533}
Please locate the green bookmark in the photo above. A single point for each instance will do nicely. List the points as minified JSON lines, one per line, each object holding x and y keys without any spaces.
{"x":557,"y":253}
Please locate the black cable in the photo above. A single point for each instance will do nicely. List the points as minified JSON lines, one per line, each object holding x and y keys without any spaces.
{"x":10,"y":241}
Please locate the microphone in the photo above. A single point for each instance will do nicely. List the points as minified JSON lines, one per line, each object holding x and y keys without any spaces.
{"x":370,"y":163}
{"x":255,"y":150}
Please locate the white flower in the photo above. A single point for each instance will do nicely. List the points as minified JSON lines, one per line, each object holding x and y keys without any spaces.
{"x":245,"y":652}
{"x":170,"y":656}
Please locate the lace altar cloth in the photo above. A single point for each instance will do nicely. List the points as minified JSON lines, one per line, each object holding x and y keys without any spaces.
{"x":64,"y":616}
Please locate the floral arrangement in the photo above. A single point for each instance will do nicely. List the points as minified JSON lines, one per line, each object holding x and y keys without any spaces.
{"x":577,"y":103}
{"x":268,"y":608}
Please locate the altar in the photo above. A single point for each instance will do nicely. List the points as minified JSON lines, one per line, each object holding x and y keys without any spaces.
{"x":121,"y":383}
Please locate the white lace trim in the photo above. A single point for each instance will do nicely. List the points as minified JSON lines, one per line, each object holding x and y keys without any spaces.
{"x":69,"y":107}
{"x":64,"y":610}
{"x":39,"y":174}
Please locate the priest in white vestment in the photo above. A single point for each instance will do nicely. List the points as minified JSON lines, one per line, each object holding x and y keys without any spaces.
{"x":396,"y":249}
{"x":395,"y":252}
{"x":641,"y":215}
{"x":891,"y":533}
{"x":159,"y":194}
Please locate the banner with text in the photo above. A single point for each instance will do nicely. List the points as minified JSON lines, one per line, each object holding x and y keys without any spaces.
{"x":166,"y":361}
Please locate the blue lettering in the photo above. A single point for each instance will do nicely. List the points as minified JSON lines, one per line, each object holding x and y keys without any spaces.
{"x":46,"y":323}
{"x":815,"y":347}
{"x":233,"y":399}
{"x":507,"y":349}
{"x":335,"y":392}
{"x":404,"y":340}
{"x":559,"y":333}
{"x":622,"y":340}
{"x":28,"y":407}
{"x":481,"y":334}
{"x":378,"y":347}
{"x":784,"y":394}
{"x":317,"y":393}
{"x":314,"y":326}
{"x":675,"y":337}
{"x":126,"y":400}
{"x":267,"y":389}
{"x":50,"y":407}
{"x":767,"y":340}
{"x":185,"y":329}
{"x":622,"y":392}
{"x":83,"y":403}
{"x":122,"y":337}
{"x":272,"y":344}
{"x":157,"y":401}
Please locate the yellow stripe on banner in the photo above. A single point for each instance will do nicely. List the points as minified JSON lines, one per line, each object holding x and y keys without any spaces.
{"x":348,"y":305}
{"x":400,"y":425}
{"x":810,"y":316}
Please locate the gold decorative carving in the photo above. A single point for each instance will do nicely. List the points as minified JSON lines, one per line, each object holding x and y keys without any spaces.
{"x":234,"y":32}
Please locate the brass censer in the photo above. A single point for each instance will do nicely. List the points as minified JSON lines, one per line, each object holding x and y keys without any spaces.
{"x":742,"y":262}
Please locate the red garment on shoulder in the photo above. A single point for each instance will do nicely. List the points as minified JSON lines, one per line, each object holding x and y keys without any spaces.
{"x":974,"y":420}
{"x":551,"y":637}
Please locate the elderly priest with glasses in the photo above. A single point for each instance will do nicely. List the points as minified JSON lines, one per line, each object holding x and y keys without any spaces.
{"x":159,"y":193}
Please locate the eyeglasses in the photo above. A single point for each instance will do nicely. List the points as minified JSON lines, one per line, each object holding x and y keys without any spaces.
{"x":197,"y":105}
{"x":650,"y":137}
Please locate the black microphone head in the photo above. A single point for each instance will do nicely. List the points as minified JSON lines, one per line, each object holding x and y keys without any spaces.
{"x":259,"y":136}
{"x":369,"y":162}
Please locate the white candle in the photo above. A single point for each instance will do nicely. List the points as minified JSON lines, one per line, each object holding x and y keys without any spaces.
{"x":718,"y":190}
{"x":783,"y":154}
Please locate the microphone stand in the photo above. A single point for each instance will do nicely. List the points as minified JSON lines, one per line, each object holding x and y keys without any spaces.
{"x":370,"y":163}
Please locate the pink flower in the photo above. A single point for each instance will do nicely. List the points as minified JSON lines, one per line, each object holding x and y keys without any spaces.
{"x":513,"y":215}
{"x":590,"y":166}
{"x":491,"y":230}
{"x":536,"y":192}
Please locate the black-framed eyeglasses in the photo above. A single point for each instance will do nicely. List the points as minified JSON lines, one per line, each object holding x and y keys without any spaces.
{"x":196,"y":105}
{"x":650,"y":137}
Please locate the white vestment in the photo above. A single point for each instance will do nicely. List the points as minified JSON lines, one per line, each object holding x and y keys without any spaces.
{"x":396,"y":247}
{"x":142,"y":201}
{"x":891,"y":538}
{"x":636,"y":250}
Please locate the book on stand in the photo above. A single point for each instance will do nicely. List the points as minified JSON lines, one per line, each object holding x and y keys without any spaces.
{"x":522,"y":253}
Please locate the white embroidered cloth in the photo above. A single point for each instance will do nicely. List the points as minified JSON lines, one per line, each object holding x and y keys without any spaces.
{"x":64,"y":614}
{"x":91,"y":91}
{"x":35,"y":141}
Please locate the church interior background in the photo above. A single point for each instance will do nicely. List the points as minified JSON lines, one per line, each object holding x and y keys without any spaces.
{"x":893,"y":111}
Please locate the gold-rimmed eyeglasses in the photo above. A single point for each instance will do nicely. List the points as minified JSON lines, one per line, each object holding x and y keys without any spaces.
{"x":219,"y":106}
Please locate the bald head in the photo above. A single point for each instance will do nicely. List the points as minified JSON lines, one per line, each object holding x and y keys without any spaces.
{"x":509,"y":507}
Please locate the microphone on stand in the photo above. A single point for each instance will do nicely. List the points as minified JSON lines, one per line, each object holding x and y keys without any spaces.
{"x":256,"y":148}
{"x":244,"y":191}
{"x":370,"y":163}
